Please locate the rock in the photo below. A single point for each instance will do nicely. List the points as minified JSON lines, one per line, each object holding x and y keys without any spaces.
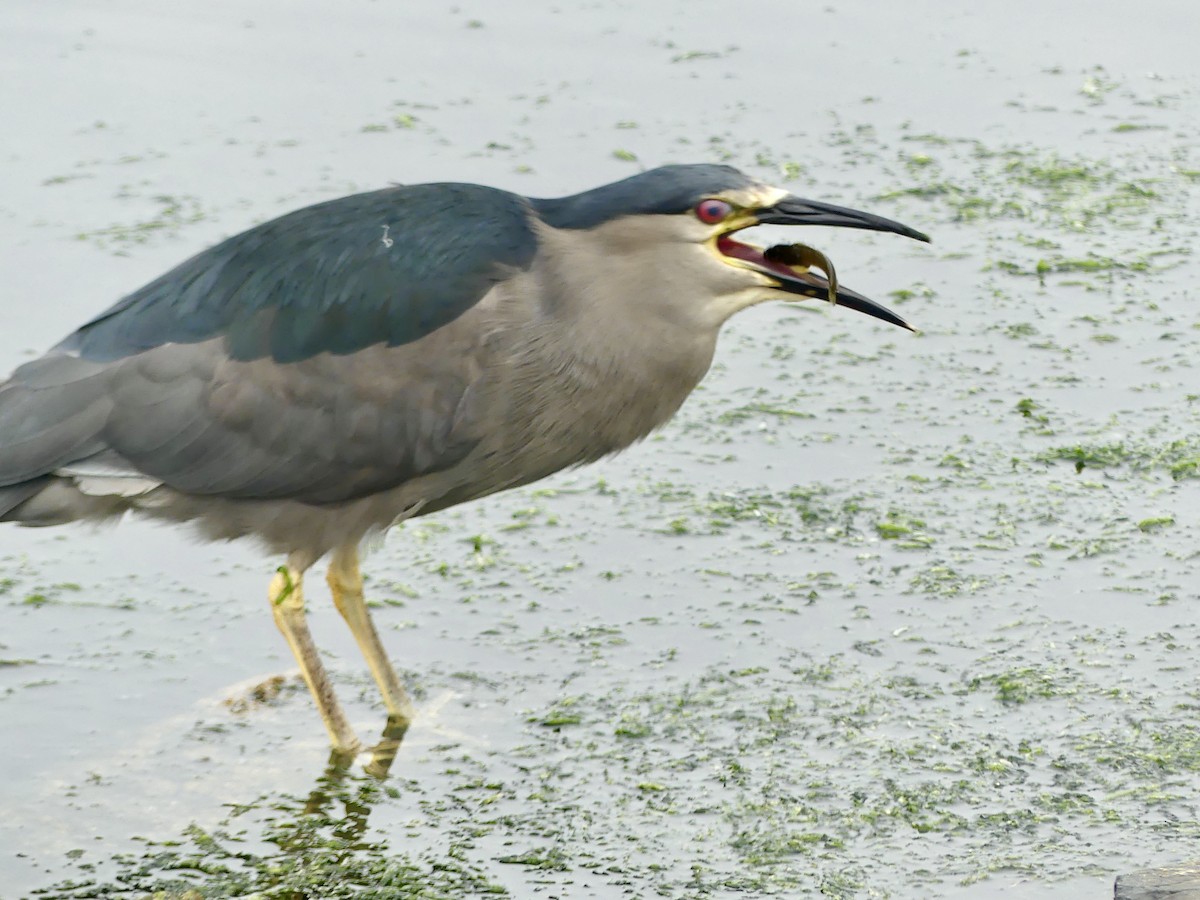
{"x":1177,"y":882}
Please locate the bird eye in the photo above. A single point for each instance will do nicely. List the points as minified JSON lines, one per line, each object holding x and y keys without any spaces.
{"x":713,"y":211}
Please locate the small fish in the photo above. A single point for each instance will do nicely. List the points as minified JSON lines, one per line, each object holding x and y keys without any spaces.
{"x":801,"y":258}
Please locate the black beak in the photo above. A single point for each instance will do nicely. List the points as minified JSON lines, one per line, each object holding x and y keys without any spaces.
{"x":796,"y":211}
{"x":791,"y":265}
{"x":810,"y":284}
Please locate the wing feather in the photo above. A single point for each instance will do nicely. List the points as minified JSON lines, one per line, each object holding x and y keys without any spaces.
{"x":306,"y":358}
{"x":388,"y":267}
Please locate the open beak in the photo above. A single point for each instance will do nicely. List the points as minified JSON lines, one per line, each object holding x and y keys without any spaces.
{"x":790,"y":265}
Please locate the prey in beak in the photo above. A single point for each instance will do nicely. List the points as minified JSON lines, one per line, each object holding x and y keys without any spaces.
{"x":791,"y":265}
{"x":800,"y":259}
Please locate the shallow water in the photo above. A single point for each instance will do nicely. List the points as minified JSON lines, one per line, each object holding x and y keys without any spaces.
{"x":854,"y":622}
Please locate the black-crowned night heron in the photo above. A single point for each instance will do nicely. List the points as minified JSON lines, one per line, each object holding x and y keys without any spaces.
{"x":378,"y":357}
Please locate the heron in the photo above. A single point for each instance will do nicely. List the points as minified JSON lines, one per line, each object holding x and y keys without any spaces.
{"x":320,"y":377}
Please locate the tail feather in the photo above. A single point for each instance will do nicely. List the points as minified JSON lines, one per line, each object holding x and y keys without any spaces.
{"x":14,"y":495}
{"x":52,"y":413}
{"x":54,"y":500}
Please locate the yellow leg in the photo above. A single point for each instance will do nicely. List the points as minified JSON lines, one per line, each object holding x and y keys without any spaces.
{"x":287,"y":605}
{"x":346,"y":584}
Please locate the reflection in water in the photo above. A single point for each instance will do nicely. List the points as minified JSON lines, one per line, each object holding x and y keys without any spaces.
{"x":383,"y":754}
{"x":332,"y":784}
{"x":336,"y":785}
{"x":288,"y":847}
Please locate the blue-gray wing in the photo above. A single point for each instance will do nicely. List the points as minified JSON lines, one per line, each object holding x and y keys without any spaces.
{"x":323,"y":430}
{"x":389,"y":266}
{"x":323,"y":356}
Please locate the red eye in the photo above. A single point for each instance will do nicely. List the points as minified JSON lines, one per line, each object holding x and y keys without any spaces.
{"x":713,"y":211}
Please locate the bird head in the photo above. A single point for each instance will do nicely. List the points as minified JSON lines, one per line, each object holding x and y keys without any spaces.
{"x":680,"y":223}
